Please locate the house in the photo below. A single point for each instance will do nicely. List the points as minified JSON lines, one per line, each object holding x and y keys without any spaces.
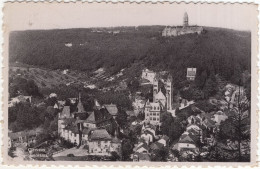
{"x":98,"y":118}
{"x":191,"y":73}
{"x":147,"y":137}
{"x":112,"y":109}
{"x":219,"y":116}
{"x":156,"y":146}
{"x":18,"y":99}
{"x":164,"y":140}
{"x":101,"y":143}
{"x":186,"y":142}
{"x":152,"y":112}
{"x":141,"y":147}
{"x":148,"y":75}
{"x":28,"y":137}
{"x":141,"y":157}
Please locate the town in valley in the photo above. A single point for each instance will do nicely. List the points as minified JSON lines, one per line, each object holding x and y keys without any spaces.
{"x":174,"y":96}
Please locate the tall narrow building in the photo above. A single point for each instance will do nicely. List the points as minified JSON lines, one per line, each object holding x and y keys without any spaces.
{"x":185,"y":20}
{"x":169,"y":92}
{"x":155,"y":87}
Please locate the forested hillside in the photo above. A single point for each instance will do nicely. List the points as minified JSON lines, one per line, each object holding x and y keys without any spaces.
{"x":220,"y":51}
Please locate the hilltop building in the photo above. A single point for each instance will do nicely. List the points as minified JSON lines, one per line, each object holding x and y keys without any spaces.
{"x":148,"y":76}
{"x":191,"y":73}
{"x":182,"y":30}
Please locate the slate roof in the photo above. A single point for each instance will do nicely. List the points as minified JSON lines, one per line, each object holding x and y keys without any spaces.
{"x":116,"y":140}
{"x":156,"y":146}
{"x":80,"y":107}
{"x":65,"y":111}
{"x":112,"y":109}
{"x":100,"y":134}
{"x":130,"y":113}
{"x":24,"y":133}
{"x":188,"y":138}
{"x":98,"y":116}
{"x":143,"y":156}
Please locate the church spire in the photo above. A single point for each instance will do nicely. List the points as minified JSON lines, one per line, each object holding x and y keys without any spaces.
{"x":80,"y":108}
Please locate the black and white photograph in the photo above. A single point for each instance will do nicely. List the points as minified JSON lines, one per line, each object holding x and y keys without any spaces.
{"x":130,"y":82}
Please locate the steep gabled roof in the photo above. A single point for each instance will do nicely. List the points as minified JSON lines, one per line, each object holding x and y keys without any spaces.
{"x":156,"y":146}
{"x":100,"y":134}
{"x":65,"y":112}
{"x":98,"y":116}
{"x":112,"y":109}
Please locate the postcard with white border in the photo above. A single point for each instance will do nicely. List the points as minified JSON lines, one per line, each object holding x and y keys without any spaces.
{"x":144,"y":84}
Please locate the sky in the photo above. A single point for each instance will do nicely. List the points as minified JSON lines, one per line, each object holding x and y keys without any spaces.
{"x":24,"y":16}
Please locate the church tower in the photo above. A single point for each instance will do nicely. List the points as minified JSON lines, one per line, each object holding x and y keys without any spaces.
{"x":185,"y":20}
{"x":169,"y":92}
{"x":80,"y":107}
{"x":155,"y":86}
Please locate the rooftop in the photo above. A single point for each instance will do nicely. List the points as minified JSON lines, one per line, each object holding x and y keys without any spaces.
{"x":100,"y":134}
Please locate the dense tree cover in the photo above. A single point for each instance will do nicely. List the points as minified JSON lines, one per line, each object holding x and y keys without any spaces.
{"x":160,"y":154}
{"x":23,"y":86}
{"x":172,"y":127}
{"x":127,"y":149}
{"x":226,"y":52}
{"x":23,"y":116}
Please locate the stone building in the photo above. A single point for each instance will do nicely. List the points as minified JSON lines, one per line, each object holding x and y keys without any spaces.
{"x":161,"y":102}
{"x":182,"y":30}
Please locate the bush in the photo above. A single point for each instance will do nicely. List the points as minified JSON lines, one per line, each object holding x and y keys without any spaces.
{"x":70,"y":155}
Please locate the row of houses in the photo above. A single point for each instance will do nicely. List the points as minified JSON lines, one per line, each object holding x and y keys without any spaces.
{"x":96,"y":129}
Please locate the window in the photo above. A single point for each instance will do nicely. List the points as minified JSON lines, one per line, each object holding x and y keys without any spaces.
{"x":158,"y":108}
{"x":154,"y":113}
{"x":99,"y":143}
{"x":158,"y":119}
{"x":154,"y":119}
{"x":187,"y":145}
{"x":151,"y":118}
{"x":154,"y":108}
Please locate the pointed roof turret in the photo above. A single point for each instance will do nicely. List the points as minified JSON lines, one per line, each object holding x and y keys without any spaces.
{"x":156,"y":77}
{"x":97,"y":105}
{"x":169,"y":78}
{"x":80,"y":107}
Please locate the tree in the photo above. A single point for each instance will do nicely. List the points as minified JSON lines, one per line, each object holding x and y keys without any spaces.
{"x":210,"y":87}
{"x":121,"y":117}
{"x":127,"y":149}
{"x":141,"y":116}
{"x":175,"y":130}
{"x":114,"y":156}
{"x":160,"y":154}
{"x":237,"y":127}
{"x":166,"y":120}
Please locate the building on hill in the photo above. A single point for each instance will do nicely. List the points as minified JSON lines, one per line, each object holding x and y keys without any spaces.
{"x":182,"y":30}
{"x":191,"y":73}
{"x":148,"y":75}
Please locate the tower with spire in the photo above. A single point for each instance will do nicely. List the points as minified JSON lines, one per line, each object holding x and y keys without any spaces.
{"x":155,"y":86}
{"x":80,"y":107}
{"x":168,"y":88}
